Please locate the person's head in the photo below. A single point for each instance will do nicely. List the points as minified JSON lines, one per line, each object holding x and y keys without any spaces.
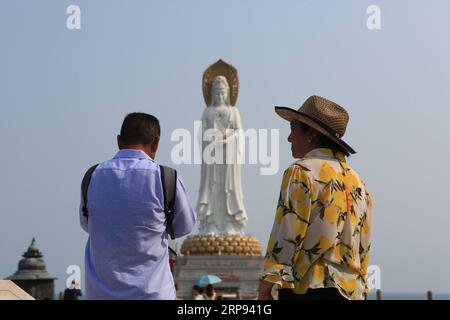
{"x":303,"y":139}
{"x":220,"y":91}
{"x":318,"y":123}
{"x":201,"y":291}
{"x":140,"y":131}
{"x":209,"y":290}
{"x":195,"y":290}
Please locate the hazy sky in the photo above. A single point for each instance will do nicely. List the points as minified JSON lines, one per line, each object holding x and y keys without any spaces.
{"x":64,"y":93}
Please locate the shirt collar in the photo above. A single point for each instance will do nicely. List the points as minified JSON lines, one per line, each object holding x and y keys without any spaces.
{"x":132,"y":153}
{"x":325,"y":153}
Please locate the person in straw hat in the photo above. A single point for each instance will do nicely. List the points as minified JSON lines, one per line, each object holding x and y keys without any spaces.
{"x":319,"y":246}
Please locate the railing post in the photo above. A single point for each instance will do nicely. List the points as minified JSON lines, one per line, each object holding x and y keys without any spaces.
{"x":379,"y":295}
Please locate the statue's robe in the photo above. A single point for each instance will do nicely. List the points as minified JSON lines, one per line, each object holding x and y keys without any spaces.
{"x":233,"y":196}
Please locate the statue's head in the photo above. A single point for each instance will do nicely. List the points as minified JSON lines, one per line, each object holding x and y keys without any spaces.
{"x":220,"y":92}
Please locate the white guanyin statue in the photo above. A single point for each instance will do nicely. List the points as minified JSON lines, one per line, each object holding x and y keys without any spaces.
{"x":220,"y":205}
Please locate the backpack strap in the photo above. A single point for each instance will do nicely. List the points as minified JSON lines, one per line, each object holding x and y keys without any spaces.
{"x":169,"y":185}
{"x":84,"y":188}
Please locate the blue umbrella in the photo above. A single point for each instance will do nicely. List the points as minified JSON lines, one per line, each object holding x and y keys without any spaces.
{"x":207,"y":279}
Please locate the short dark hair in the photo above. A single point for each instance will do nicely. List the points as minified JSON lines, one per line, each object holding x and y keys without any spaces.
{"x":209,"y":290}
{"x":139,"y":128}
{"x":325,"y":142}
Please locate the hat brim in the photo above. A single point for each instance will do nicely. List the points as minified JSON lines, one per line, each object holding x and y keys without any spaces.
{"x":290,"y":114}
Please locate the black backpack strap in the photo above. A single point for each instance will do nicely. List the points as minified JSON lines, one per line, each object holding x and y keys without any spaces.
{"x":85,"y":186}
{"x":169,"y":185}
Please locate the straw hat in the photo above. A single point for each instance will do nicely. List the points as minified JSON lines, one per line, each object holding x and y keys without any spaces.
{"x":323,"y":115}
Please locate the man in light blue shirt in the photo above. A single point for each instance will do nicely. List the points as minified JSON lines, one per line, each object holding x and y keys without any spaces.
{"x":127,"y":251}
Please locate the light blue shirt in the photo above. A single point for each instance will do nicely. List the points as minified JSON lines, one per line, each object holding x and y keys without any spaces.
{"x":127,"y":250}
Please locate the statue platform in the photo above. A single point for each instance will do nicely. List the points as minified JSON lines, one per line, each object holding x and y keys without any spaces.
{"x":236,"y":260}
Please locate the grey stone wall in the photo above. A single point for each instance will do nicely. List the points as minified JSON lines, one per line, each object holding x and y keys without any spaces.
{"x":238,"y":273}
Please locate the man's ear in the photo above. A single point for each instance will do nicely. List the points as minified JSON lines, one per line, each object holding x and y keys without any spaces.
{"x":155,"y":144}
{"x":120,"y":142}
{"x":313,"y":135}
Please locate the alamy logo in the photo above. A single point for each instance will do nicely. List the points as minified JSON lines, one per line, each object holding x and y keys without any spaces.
{"x":73,"y":21}
{"x":75,"y":276}
{"x":228,"y":146}
{"x":374,"y":277}
{"x":374,"y":19}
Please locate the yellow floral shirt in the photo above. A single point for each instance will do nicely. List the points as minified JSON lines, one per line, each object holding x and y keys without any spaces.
{"x":322,"y":230}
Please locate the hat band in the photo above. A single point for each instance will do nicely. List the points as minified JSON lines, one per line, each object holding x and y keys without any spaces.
{"x":323,"y":125}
